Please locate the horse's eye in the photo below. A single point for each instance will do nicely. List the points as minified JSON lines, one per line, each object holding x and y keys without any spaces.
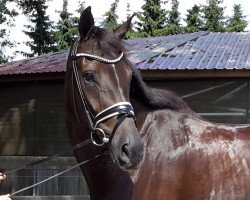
{"x":89,"y":77}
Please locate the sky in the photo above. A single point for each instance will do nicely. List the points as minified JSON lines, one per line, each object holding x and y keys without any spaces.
{"x":99,"y":7}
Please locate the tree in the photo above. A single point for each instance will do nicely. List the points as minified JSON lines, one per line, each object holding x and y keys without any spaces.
{"x":173,"y":19}
{"x":237,"y":22}
{"x":66,"y":28}
{"x":193,"y":20}
{"x":152,"y":19}
{"x":128,"y":10}
{"x":214,"y":16}
{"x":111,"y":17}
{"x":6,"y":17}
{"x":41,"y":32}
{"x":81,"y":8}
{"x":131,"y":33}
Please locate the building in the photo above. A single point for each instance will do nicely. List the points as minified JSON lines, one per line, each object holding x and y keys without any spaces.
{"x":210,"y":71}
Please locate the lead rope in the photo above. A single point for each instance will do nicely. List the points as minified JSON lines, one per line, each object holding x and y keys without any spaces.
{"x":47,"y":179}
{"x":54,"y":156}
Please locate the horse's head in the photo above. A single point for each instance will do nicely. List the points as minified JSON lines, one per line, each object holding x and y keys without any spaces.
{"x":102,"y":76}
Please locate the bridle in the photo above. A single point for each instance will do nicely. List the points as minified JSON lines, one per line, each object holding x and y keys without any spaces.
{"x":122,"y":110}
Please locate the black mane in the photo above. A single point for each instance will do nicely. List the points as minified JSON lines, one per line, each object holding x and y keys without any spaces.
{"x":154,"y":97}
{"x":110,"y":46}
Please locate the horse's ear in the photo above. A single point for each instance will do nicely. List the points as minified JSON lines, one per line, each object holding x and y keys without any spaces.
{"x":86,"y":23}
{"x":124,"y":28}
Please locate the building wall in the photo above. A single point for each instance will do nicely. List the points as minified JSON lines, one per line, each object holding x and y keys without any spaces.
{"x":32,"y":113}
{"x":32,"y":118}
{"x":224,"y":100}
{"x":32,"y":125}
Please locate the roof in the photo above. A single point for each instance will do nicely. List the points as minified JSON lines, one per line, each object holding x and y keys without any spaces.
{"x":194,"y":51}
{"x":229,"y":50}
{"x":52,"y":62}
{"x":141,"y":49}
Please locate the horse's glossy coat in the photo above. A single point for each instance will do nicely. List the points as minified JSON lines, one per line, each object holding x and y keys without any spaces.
{"x":193,"y":159}
{"x":102,"y":87}
{"x":185,"y":156}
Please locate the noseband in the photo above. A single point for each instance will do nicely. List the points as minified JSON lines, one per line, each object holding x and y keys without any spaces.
{"x":122,"y":109}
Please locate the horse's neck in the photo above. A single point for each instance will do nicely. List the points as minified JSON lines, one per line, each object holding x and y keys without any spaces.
{"x":142,"y":112}
{"x":105,"y":180}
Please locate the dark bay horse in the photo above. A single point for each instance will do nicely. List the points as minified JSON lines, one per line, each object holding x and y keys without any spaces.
{"x":98,"y":107}
{"x":184,"y":156}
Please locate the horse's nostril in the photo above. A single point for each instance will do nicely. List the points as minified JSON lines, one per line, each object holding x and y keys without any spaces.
{"x":124,"y":157}
{"x":125,"y":150}
{"x":121,"y":161}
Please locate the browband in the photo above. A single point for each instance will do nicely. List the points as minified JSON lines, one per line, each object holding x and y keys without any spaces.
{"x":99,"y":58}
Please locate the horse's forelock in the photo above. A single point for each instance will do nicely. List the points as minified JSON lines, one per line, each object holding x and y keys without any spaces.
{"x":104,"y":43}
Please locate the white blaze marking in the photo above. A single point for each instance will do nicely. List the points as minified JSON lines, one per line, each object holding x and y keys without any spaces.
{"x":117,"y":80}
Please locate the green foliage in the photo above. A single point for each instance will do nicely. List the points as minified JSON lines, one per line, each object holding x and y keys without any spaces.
{"x":155,"y":21}
{"x":41,"y":32}
{"x":128,"y":10}
{"x":173,"y":20}
{"x":6,"y":17}
{"x":131,"y":33}
{"x":237,"y":22}
{"x":81,"y":8}
{"x":193,"y":20}
{"x":111,"y":17}
{"x":214,"y":16}
{"x":66,"y":28}
{"x":152,"y":19}
{"x":135,"y":34}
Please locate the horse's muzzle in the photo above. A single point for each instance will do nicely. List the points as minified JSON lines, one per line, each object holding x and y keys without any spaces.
{"x":130,"y":156}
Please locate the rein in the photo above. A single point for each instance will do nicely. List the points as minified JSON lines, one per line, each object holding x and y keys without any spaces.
{"x":54,"y":156}
{"x":68,"y":150}
{"x":60,"y":173}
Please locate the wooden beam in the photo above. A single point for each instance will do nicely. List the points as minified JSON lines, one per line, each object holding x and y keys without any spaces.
{"x":32,"y":77}
{"x":146,"y":74}
{"x":194,"y":74}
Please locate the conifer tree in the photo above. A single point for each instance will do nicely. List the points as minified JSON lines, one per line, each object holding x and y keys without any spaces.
{"x":6,"y":17}
{"x":128,"y":10}
{"x":81,"y":8}
{"x":193,"y":19}
{"x":132,"y":33}
{"x":41,"y":30}
{"x":111,"y":17}
{"x":152,"y":19}
{"x":173,"y":19}
{"x":214,"y":16}
{"x":237,"y":22}
{"x":66,"y":28}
